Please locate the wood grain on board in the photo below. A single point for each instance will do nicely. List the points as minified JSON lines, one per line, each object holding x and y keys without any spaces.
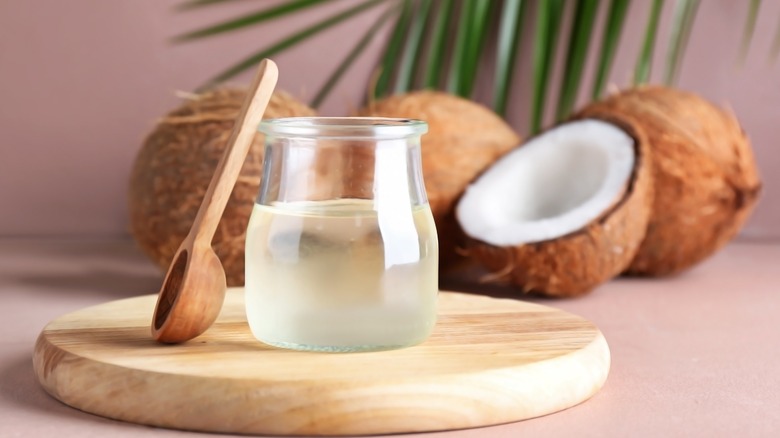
{"x":489,"y":361}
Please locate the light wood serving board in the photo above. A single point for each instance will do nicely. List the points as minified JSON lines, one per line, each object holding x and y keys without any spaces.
{"x":489,"y":361}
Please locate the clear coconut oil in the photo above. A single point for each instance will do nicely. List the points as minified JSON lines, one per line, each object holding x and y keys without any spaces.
{"x":341,"y":275}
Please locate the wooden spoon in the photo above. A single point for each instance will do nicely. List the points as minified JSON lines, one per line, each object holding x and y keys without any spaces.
{"x":194,"y":288}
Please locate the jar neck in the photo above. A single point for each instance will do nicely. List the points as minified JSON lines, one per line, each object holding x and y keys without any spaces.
{"x":305,"y":167}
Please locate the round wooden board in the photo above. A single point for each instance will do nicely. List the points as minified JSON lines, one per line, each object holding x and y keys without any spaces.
{"x":489,"y":361}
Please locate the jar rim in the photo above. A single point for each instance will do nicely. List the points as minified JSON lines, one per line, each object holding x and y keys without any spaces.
{"x":343,"y":127}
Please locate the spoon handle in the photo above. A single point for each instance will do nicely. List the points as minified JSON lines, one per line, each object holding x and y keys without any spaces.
{"x":229,"y":167}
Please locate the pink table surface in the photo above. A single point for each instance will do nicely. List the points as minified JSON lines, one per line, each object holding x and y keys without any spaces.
{"x":695,"y":355}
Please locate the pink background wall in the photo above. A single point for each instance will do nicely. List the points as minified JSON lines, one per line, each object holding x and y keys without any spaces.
{"x":82,"y":81}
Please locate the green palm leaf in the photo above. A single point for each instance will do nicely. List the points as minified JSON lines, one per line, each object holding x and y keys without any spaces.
{"x":249,"y":20}
{"x":436,"y":46}
{"x":468,"y":42}
{"x":477,"y":34}
{"x":579,"y":40}
{"x":412,"y":48}
{"x":393,"y":50}
{"x":290,"y":41}
{"x":192,"y":4}
{"x":614,"y":27}
{"x":461,"y":47}
{"x":323,"y":93}
{"x":645,"y":60}
{"x":454,"y":32}
{"x":545,"y":40}
{"x":508,"y":36}
{"x":684,"y":14}
{"x":750,"y":27}
{"x":421,"y":61}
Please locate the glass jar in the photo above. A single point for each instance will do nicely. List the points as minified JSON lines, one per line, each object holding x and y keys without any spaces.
{"x":341,"y":248}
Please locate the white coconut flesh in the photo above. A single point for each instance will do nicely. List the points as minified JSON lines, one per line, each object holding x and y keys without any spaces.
{"x":554,"y":185}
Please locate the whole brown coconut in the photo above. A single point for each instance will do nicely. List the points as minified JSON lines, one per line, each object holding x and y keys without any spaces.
{"x":463,"y":139}
{"x":175,"y":165}
{"x":575,"y":263}
{"x":706,"y":181}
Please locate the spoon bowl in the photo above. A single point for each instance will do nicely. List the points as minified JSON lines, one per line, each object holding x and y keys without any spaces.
{"x":194,"y":286}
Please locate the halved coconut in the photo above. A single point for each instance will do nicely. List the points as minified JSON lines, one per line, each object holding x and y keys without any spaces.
{"x":565,"y":212}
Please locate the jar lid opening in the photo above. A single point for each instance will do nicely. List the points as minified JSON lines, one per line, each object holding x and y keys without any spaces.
{"x":343,"y":127}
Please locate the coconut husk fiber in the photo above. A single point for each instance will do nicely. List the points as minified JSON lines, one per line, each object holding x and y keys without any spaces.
{"x":574,"y":264}
{"x":463,"y":139}
{"x":175,"y":165}
{"x":705,"y":175}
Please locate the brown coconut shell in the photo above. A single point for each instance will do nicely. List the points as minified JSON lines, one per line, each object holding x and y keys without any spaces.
{"x":463,"y":139}
{"x":706,"y":180}
{"x":175,"y":165}
{"x":576,"y":263}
